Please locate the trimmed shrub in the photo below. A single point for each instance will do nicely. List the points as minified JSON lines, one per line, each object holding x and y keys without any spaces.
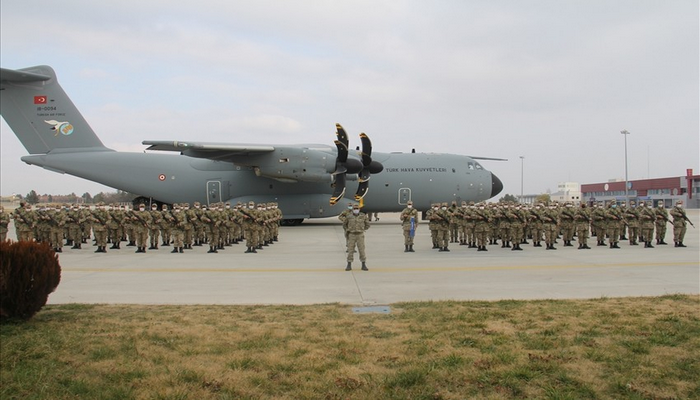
{"x":29,"y":272}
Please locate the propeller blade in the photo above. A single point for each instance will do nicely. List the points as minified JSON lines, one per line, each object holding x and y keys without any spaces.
{"x":362,"y":190}
{"x":366,"y":149}
{"x":342,"y":158}
{"x":338,"y":189}
{"x":365,"y":174}
{"x":342,"y":135}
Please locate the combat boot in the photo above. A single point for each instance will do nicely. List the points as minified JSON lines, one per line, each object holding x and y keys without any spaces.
{"x":649,"y":245}
{"x":181,"y":251}
{"x":152,"y":247}
{"x":114,"y":246}
{"x":349,"y":267}
{"x":680,"y":244}
{"x":410,"y":249}
{"x":405,"y":250}
{"x":212,"y":250}
{"x":174,"y":250}
{"x":364,"y":267}
{"x":131,"y":244}
{"x":662,"y":243}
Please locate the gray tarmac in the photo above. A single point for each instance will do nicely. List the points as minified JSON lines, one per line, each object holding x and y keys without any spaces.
{"x":307,"y":267}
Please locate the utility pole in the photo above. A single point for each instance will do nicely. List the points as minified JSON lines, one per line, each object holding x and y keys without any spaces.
{"x":627,"y":197}
{"x":522,"y":161}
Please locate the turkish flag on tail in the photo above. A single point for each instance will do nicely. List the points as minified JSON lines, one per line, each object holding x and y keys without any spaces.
{"x":40,"y":99}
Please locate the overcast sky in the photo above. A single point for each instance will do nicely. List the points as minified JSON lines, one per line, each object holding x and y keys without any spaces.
{"x":553,"y":81}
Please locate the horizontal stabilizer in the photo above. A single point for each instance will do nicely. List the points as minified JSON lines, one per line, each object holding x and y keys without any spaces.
{"x":11,"y":75}
{"x":489,"y":158}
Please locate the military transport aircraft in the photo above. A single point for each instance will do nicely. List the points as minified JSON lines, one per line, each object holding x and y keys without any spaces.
{"x":307,"y":181}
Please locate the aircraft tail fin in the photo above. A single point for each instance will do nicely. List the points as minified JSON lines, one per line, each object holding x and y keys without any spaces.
{"x":41,"y":114}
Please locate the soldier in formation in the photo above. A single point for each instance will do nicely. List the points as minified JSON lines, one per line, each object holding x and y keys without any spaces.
{"x":679,"y":224}
{"x":660,"y":223}
{"x":220,"y":225}
{"x":4,"y":223}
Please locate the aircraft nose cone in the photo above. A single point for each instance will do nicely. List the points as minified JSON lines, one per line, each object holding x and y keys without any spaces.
{"x":496,"y":185}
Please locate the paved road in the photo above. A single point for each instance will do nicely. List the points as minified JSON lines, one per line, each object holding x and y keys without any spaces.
{"x":307,"y":267}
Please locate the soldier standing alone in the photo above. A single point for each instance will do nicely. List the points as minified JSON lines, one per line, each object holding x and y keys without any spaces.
{"x":355,"y":225}
{"x":409,"y":223}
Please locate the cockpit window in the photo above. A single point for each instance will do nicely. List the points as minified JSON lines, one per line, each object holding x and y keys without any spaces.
{"x":478,"y":166}
{"x":470,"y":165}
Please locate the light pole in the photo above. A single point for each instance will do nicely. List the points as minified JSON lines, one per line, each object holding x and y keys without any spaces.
{"x":624,"y":132}
{"x":522,"y":161}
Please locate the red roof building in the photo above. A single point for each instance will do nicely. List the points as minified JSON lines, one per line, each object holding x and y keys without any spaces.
{"x":669,"y":190}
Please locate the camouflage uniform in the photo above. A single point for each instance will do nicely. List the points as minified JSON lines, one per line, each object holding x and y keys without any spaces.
{"x":614,"y":223}
{"x":176,"y":222}
{"x":74,"y":233}
{"x":679,"y":224}
{"x":631,"y":216}
{"x":582,"y":219}
{"x":210,"y":219}
{"x":356,"y":224}
{"x":482,"y":222}
{"x":661,"y":220}
{"x":190,"y":215}
{"x":599,"y":223}
{"x":4,"y":223}
{"x":342,"y":217}
{"x":115,"y":229}
{"x":566,"y":223}
{"x":197,"y":224}
{"x":165,"y":226}
{"x":57,"y":220}
{"x":536,"y":225}
{"x":24,"y":222}
{"x":154,"y":230}
{"x":409,"y":224}
{"x":442,"y":218}
{"x":455,"y":222}
{"x":433,"y":224}
{"x":142,"y":222}
{"x":647,"y":216}
{"x":517,"y":222}
{"x":100,"y":219}
{"x":550,"y":218}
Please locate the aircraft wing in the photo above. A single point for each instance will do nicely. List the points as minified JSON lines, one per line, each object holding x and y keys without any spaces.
{"x":231,"y":148}
{"x":212,"y":151}
{"x":285,"y":163}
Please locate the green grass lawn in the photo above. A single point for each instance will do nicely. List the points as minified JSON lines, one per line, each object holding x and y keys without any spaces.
{"x":636,"y":348}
